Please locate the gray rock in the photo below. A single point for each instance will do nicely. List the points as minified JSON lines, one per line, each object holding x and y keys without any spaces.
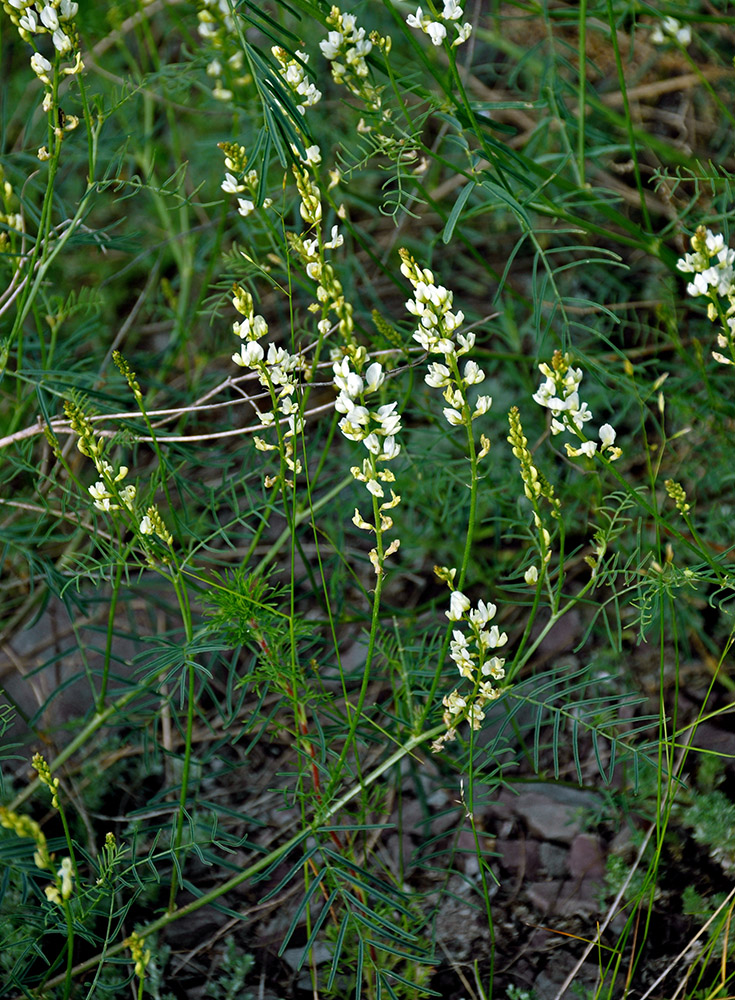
{"x":586,"y":858}
{"x":553,"y":812}
{"x":320,"y":952}
{"x":554,"y":859}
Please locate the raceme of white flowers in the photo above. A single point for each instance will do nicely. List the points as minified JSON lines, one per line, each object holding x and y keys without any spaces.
{"x":346,"y":47}
{"x":669,"y":29}
{"x":217,"y":30}
{"x":293,"y":71}
{"x":106,"y":494}
{"x":438,"y":333}
{"x":474,"y":653}
{"x":713,"y":265}
{"x":376,"y":428}
{"x":435,"y":26}
{"x":276,"y":370}
{"x":239,"y":180}
{"x":559,"y":393}
{"x":54,"y":18}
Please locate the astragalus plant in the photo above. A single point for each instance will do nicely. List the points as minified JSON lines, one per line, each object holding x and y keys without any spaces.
{"x":299,"y":304}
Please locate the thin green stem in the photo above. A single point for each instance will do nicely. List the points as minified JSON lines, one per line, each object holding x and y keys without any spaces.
{"x":110,"y":634}
{"x":628,"y":119}
{"x":581,"y":100}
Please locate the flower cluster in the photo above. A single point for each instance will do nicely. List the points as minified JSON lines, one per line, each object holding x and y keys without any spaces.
{"x":24,"y":826}
{"x":40,"y":766}
{"x":293,"y":72}
{"x":536,"y":487}
{"x":276,"y":370}
{"x":106,"y":493}
{"x":54,"y":18}
{"x":559,"y":393}
{"x":377,"y":429}
{"x":346,"y":48}
{"x":140,"y":955}
{"x":217,"y":29}
{"x":435,"y":25}
{"x":677,"y":493}
{"x":474,"y":653}
{"x":432,"y":304}
{"x":670,"y":29}
{"x":239,"y":180}
{"x":438,"y":333}
{"x":713,"y":266}
{"x":8,"y":218}
{"x":330,"y":299}
{"x":65,"y":885}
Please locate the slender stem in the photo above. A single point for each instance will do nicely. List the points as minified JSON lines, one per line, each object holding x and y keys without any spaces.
{"x":582,"y":79}
{"x":110,"y":634}
{"x":183,"y":599}
{"x":628,"y":120}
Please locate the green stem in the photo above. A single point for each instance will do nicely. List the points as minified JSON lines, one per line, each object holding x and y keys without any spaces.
{"x":628,"y":120}
{"x":471,"y":519}
{"x":374,"y":623}
{"x":110,"y":634}
{"x":582,"y":78}
{"x":69,"y":949}
{"x":185,"y":607}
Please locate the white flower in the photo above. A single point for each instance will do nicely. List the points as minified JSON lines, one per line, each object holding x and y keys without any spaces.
{"x":374,"y":377}
{"x":41,"y":67}
{"x":29,"y":21}
{"x":50,"y":18}
{"x":66,"y":874}
{"x":336,"y":241}
{"x":62,"y":42}
{"x":439,"y":375}
{"x":672,"y":28}
{"x":453,"y":417}
{"x":230,"y":185}
{"x":531,"y":575}
{"x":473,"y":373}
{"x":330,"y":45}
{"x":483,"y":613}
{"x":146,"y":526}
{"x":389,"y":420}
{"x":415,"y":20}
{"x":607,"y":436}
{"x":452,"y":11}
{"x":436,"y":32}
{"x":458,"y":604}
{"x":246,"y":207}
{"x":251,"y":354}
{"x":483,"y":405}
{"x":495,"y":637}
{"x":463,"y":33}
{"x":390,"y":450}
{"x":372,"y":441}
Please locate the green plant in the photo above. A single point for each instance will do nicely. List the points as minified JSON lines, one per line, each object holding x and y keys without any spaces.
{"x":416,"y":235}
